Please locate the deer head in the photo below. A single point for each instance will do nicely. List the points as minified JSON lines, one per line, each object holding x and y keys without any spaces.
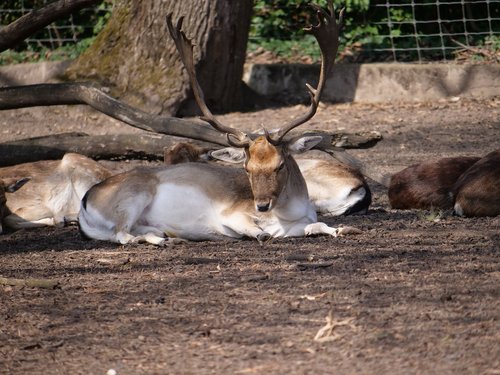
{"x":267,"y":159}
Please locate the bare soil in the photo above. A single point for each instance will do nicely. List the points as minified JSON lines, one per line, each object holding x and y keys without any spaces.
{"x":417,"y":292}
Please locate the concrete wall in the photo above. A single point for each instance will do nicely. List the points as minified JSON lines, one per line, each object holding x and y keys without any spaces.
{"x":28,"y":74}
{"x":378,"y":82}
{"x":349,"y":82}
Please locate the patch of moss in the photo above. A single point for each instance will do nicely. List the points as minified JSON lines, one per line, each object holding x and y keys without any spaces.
{"x":100,"y":61}
{"x":146,"y":83}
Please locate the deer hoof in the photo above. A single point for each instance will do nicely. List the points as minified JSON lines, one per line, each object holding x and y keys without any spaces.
{"x":263,"y":237}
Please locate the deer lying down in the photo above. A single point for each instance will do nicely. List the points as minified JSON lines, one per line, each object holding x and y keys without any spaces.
{"x":197,"y":201}
{"x":427,"y":185}
{"x":477,"y":191}
{"x":8,"y":185}
{"x":54,"y":192}
{"x":469,"y":185}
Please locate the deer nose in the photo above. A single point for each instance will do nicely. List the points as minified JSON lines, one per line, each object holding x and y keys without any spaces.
{"x":263,"y":207}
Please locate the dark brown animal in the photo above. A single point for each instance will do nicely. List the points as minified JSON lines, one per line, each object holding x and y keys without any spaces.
{"x":477,"y":191}
{"x":183,"y":153}
{"x":427,"y":185}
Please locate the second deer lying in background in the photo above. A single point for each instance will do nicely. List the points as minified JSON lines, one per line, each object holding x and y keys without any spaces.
{"x":477,"y":190}
{"x":53,"y":193}
{"x":203,"y":201}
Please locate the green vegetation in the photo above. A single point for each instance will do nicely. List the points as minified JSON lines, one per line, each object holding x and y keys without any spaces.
{"x":370,"y":33}
{"x":375,"y":32}
{"x":64,"y":39}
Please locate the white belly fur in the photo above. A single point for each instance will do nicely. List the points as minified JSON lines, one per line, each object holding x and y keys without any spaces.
{"x":183,"y":211}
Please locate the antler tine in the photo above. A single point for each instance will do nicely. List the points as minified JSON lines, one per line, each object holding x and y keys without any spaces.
{"x":326,"y":33}
{"x":185,"y":48}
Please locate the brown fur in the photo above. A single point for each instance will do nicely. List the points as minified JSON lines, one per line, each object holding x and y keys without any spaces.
{"x":268,"y":168}
{"x":477,"y":191}
{"x":427,"y":185}
{"x":183,"y":153}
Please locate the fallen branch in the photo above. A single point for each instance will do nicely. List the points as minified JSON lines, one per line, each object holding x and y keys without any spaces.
{"x":15,"y":97}
{"x":32,"y":283}
{"x":147,"y":146}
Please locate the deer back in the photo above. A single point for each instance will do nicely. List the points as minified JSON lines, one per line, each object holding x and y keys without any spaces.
{"x":334,"y":188}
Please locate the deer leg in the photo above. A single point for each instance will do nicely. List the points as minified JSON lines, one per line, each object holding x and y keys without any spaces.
{"x":128,"y":230}
{"x":322,"y":228}
{"x":16,"y":222}
{"x":152,"y":235}
{"x":149,"y":238}
{"x":239,"y":225}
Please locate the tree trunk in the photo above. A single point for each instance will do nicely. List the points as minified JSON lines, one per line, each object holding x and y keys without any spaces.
{"x":136,"y":58}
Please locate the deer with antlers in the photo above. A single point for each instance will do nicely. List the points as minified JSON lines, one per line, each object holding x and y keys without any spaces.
{"x":195,"y":201}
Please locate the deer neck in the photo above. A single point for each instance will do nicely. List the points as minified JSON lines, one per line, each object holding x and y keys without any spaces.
{"x":293,"y":202}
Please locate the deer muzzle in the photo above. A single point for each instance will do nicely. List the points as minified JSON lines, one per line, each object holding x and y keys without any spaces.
{"x":263,"y":205}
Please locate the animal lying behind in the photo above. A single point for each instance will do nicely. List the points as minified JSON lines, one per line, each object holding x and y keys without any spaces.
{"x":54,"y":192}
{"x":334,"y":188}
{"x":8,"y":185}
{"x":427,"y":185}
{"x":468,"y":185}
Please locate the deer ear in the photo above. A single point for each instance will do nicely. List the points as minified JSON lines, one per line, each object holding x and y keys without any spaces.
{"x":304,"y":144}
{"x":229,"y":155}
{"x":13,"y":184}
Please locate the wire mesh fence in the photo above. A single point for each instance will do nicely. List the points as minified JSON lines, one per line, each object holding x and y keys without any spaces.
{"x":64,"y":38}
{"x":431,"y":30}
{"x":388,"y":30}
{"x":70,"y":30}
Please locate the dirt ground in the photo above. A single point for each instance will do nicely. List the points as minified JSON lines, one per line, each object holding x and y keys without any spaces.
{"x":417,"y":292}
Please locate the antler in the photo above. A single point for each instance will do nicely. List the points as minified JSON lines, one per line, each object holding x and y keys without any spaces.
{"x":185,"y":49}
{"x":326,"y":33}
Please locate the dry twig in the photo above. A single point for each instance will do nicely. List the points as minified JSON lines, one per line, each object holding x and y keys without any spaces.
{"x":326,"y":333}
